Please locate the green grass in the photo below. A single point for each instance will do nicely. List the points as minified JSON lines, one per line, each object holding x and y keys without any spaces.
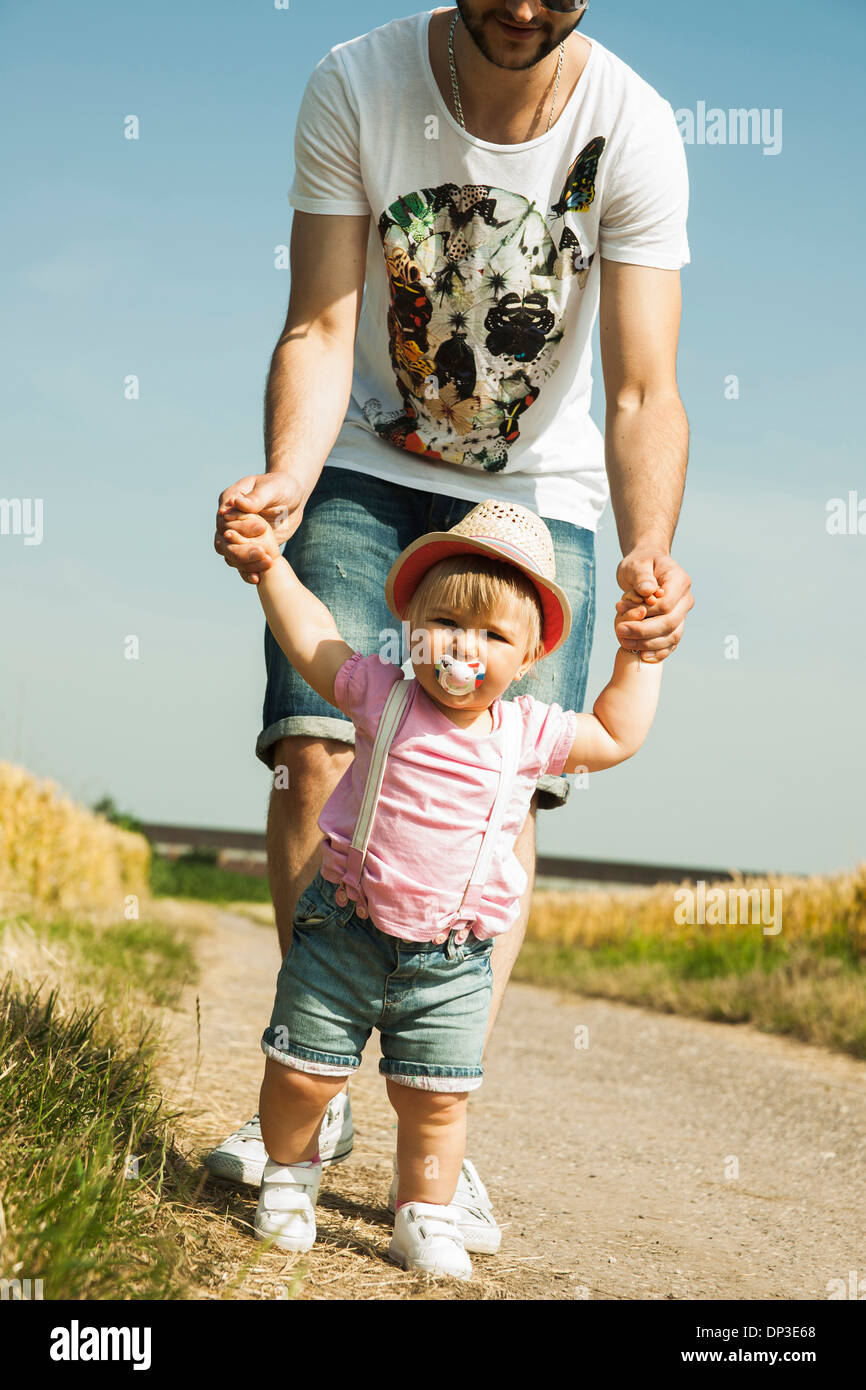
{"x":812,"y":989}
{"x":685,"y":960}
{"x":198,"y":876}
{"x":150,"y":956}
{"x":735,"y":953}
{"x":77,"y":1103}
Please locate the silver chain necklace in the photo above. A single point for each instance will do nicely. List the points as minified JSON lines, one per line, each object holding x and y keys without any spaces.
{"x":456,"y":93}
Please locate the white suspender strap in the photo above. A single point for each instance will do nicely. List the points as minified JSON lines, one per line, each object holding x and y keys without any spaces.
{"x":389,"y":721}
{"x":468,"y":910}
{"x":392,"y":714}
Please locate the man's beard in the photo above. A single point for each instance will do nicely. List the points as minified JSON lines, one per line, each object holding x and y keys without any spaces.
{"x":476,"y":30}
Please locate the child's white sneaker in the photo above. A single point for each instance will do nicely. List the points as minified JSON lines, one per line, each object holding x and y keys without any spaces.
{"x":481,"y":1232}
{"x":287,"y":1199}
{"x":427,"y":1237}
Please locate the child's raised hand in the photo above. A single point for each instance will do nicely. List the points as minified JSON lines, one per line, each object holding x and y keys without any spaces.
{"x":251,"y":526}
{"x":631,"y":601}
{"x":632,"y":608}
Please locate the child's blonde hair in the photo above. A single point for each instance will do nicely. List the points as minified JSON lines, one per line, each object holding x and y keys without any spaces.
{"x":476,"y":586}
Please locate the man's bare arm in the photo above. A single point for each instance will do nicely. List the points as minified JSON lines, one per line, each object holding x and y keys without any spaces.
{"x":311,"y":368}
{"x":308,"y":386}
{"x":646,"y":430}
{"x":646,"y":443}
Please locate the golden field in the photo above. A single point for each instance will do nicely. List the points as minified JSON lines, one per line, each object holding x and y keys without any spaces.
{"x":58,"y":857}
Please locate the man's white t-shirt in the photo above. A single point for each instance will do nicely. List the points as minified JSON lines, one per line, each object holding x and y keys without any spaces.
{"x":472,"y":365}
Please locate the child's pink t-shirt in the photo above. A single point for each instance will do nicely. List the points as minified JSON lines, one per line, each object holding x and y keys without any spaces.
{"x":437,"y":794}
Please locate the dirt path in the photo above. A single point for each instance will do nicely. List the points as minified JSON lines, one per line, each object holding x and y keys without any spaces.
{"x":671,"y":1158}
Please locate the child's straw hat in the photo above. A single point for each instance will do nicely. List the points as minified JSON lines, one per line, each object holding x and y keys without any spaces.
{"x":505,"y":531}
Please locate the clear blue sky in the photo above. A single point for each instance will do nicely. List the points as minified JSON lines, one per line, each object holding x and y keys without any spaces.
{"x":155,"y":257}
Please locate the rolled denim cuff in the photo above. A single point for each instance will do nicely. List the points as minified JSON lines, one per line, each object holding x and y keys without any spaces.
{"x":552,"y":791}
{"x":304,"y":726}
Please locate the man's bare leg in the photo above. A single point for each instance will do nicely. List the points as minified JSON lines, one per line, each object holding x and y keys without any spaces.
{"x":294,"y":840}
{"x":507,"y":948}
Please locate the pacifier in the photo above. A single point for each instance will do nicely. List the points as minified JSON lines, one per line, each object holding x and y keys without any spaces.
{"x":458,"y":677}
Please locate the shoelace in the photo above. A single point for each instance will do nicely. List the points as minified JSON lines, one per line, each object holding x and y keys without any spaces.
{"x":250,"y":1130}
{"x":478,"y":1203}
{"x":477,"y":1190}
{"x":481,"y":1214}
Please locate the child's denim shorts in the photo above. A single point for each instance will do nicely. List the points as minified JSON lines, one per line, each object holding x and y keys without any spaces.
{"x":342,"y":977}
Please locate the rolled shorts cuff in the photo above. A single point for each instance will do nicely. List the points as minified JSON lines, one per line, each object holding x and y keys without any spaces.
{"x":428,"y":1078}
{"x":303,"y":726}
{"x":552,"y":791}
{"x":305,"y":1059}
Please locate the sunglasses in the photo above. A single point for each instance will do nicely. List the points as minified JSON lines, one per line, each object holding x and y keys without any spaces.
{"x":565,"y":6}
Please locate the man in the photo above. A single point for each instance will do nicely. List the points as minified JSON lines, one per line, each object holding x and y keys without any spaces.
{"x":488,"y":180}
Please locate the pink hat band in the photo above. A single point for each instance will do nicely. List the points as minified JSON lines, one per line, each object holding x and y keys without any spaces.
{"x":508,"y":546}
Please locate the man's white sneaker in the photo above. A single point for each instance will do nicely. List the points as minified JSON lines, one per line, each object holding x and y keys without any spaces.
{"x":427,"y":1237}
{"x":287,"y":1199}
{"x":337,"y":1134}
{"x":478,"y":1226}
{"x":241,"y":1158}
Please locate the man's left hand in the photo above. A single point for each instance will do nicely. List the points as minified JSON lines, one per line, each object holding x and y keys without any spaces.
{"x":657,"y":598}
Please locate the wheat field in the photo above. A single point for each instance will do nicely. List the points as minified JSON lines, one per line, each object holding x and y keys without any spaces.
{"x":58,"y":857}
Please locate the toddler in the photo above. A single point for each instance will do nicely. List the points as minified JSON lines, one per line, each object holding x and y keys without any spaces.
{"x":418,"y":876}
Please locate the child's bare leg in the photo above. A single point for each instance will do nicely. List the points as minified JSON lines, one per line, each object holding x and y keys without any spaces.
{"x":431,"y":1140}
{"x":292,"y":1105}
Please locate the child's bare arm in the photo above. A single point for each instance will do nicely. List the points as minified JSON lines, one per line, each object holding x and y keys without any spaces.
{"x":302,"y":625}
{"x":621,"y":716}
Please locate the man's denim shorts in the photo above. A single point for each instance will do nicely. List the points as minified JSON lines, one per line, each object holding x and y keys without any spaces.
{"x":354,"y":528}
{"x":342,"y":977}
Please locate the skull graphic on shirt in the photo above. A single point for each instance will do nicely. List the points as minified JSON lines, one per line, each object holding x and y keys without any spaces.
{"x":478,"y":289}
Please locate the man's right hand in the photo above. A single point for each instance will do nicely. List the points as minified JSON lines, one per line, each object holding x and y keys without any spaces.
{"x":248,"y":508}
